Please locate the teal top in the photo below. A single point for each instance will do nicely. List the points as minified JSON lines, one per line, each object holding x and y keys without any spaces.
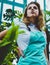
{"x":34,"y":51}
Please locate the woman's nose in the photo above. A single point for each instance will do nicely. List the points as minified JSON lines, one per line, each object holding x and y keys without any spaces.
{"x":32,"y":8}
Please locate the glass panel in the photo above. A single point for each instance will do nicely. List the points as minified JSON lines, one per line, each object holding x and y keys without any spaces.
{"x":48,"y":22}
{"x":18,"y":8}
{"x":48,"y":5}
{"x":0,"y":7}
{"x":19,"y":1}
{"x":28,"y":1}
{"x":0,"y":11}
{"x":5,"y":6}
{"x":16,"y":20}
{"x":41,"y":2}
{"x":48,"y":16}
{"x":10,"y":0}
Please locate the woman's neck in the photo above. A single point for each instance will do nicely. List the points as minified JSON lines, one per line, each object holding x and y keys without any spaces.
{"x":32,"y":20}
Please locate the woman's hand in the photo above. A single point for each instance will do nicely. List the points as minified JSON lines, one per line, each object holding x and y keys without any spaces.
{"x":3,"y":33}
{"x":20,"y":52}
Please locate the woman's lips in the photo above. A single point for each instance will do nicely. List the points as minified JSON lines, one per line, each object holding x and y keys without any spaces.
{"x":32,"y":12}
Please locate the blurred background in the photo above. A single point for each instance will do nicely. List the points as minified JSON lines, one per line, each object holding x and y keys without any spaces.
{"x":12,"y":11}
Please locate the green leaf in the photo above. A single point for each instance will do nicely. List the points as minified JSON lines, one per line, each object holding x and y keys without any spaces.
{"x":4,"y":43}
{"x":10,"y":36}
{"x":20,"y":32}
{"x":47,"y":12}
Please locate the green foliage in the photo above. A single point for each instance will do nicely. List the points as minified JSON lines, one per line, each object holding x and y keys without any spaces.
{"x":10,"y":14}
{"x":4,"y":25}
{"x":9,"y":58}
{"x":47,"y":13}
{"x":18,"y":14}
{"x":10,"y":41}
{"x":10,"y":36}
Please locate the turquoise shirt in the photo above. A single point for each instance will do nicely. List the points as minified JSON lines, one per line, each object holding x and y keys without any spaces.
{"x":34,"y":47}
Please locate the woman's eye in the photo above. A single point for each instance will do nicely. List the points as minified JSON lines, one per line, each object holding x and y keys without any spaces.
{"x":32,"y":7}
{"x":29,"y":8}
{"x":35,"y":7}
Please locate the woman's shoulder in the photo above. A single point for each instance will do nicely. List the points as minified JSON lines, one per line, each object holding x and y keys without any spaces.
{"x":21,"y":24}
{"x":22,"y":27}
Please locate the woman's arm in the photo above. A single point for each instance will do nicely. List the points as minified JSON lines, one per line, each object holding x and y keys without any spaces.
{"x":45,"y":51}
{"x":3,"y":33}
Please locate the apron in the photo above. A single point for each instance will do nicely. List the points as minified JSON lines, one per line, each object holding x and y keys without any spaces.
{"x":34,"y":53}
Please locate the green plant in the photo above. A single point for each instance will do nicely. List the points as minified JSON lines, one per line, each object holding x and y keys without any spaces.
{"x":47,"y":20}
{"x":4,"y":25}
{"x":9,"y":58}
{"x":10,"y":14}
{"x":47,"y":13}
{"x":18,"y":14}
{"x":9,"y":41}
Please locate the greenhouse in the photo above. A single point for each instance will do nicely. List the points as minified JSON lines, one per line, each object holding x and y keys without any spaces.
{"x":18,"y":17}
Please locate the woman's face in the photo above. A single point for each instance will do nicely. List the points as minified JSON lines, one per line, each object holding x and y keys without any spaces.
{"x":32,"y":10}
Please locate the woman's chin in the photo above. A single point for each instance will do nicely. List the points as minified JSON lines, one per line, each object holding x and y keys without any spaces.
{"x":32,"y":16}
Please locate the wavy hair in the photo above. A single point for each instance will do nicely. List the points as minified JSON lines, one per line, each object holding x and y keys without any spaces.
{"x":39,"y":22}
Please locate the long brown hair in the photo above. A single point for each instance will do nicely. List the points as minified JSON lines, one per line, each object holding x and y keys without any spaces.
{"x":39,"y":22}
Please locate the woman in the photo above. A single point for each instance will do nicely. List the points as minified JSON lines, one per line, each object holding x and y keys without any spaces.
{"x":32,"y":43}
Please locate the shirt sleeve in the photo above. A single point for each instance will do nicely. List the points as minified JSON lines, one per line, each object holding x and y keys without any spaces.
{"x":23,"y":40}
